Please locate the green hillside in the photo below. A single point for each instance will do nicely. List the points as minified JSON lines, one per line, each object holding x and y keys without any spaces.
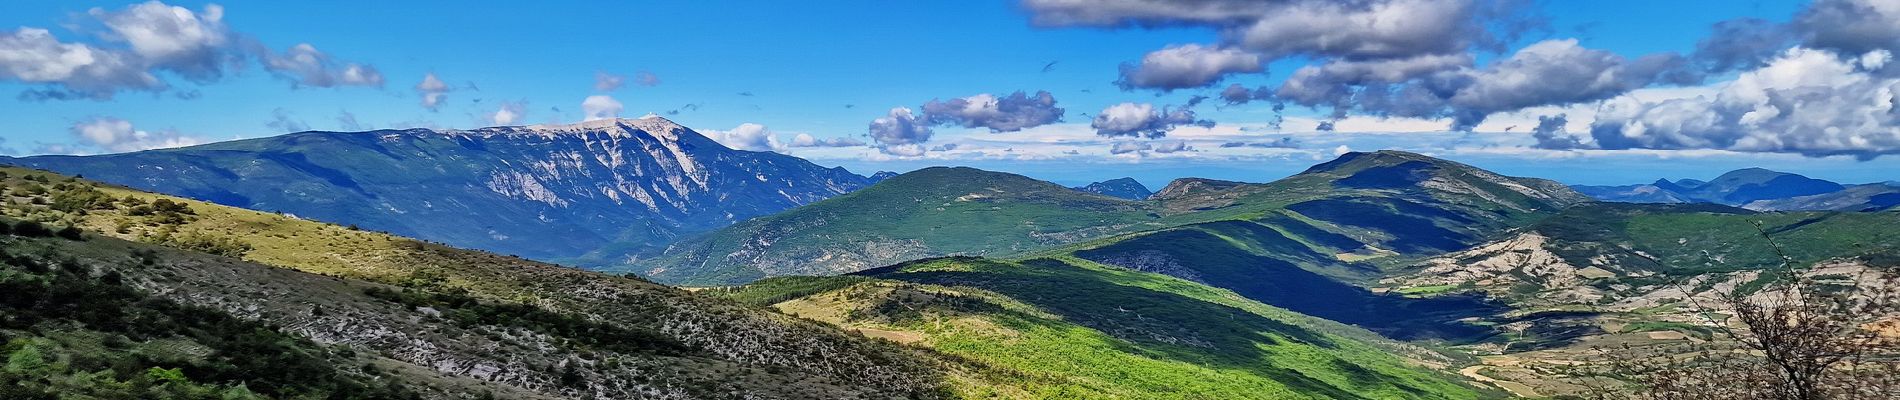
{"x":1362,"y":205}
{"x":928,"y":212}
{"x":1312,"y":242}
{"x":454,"y":315}
{"x":1068,"y":328}
{"x":1609,"y":275}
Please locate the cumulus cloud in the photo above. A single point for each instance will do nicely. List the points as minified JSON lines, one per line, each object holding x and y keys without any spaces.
{"x":73,"y":70}
{"x":197,"y":46}
{"x":1554,"y":72}
{"x":303,"y":65}
{"x":647,"y":79}
{"x":1807,"y":101}
{"x":1011,"y":113}
{"x":1850,"y":26}
{"x":1129,"y":146}
{"x":1383,"y":58}
{"x":1143,"y":119}
{"x":1235,"y":94}
{"x":1320,"y":28}
{"x":1547,"y":73}
{"x":748,"y":136}
{"x":900,"y":133}
{"x":600,"y":107}
{"x":194,"y":45}
{"x":433,"y":91}
{"x":607,"y":82}
{"x":282,"y":121}
{"x":1172,"y":147}
{"x":1552,"y":132}
{"x":1186,"y":66}
{"x":1366,"y":29}
{"x":509,"y":112}
{"x":1740,"y":44}
{"x":115,"y":135}
{"x":807,"y":140}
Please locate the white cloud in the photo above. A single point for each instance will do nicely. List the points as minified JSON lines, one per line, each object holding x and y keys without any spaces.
{"x":1186,"y":66}
{"x":1129,"y":146}
{"x":1011,"y":113}
{"x":140,"y":40}
{"x":600,"y":107}
{"x":509,"y":112}
{"x":433,"y":91}
{"x":899,"y":132}
{"x":647,"y":79}
{"x":34,"y":56}
{"x":807,"y":140}
{"x":117,"y":136}
{"x":1807,"y":101}
{"x":304,"y":65}
{"x":748,"y":136}
{"x":1142,"y":119}
{"x":607,"y":82}
{"x":195,"y":45}
{"x":1174,"y":146}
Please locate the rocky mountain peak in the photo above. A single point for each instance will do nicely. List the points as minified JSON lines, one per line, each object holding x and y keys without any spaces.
{"x":1193,"y":186}
{"x":1126,"y":188}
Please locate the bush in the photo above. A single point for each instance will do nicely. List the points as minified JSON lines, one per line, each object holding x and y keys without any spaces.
{"x":169,"y":206}
{"x":71,"y":232}
{"x":31,"y":229}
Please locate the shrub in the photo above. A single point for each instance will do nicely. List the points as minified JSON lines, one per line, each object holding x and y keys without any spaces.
{"x":1794,"y":337}
{"x":31,"y":229}
{"x":71,"y":232}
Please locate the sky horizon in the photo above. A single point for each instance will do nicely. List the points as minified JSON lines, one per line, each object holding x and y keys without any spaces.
{"x":1618,"y":92}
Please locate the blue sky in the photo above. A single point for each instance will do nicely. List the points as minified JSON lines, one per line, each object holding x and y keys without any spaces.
{"x":828,"y":69}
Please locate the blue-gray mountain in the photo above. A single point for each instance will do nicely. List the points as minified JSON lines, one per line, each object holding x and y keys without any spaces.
{"x":1126,"y":188}
{"x":1756,"y":189}
{"x":609,"y":187}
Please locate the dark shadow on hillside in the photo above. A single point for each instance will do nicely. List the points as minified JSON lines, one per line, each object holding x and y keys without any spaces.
{"x":1281,"y":283}
{"x":1410,"y":225}
{"x":1159,"y":324}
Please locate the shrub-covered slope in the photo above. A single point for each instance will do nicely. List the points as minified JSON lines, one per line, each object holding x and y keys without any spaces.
{"x":1069,"y":328}
{"x":532,"y":328}
{"x":1362,"y":205}
{"x":924,"y":213}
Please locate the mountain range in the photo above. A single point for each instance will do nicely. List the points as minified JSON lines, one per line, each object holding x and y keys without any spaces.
{"x":1391,"y":201}
{"x":609,"y":187}
{"x":1382,"y":274}
{"x":253,"y":304}
{"x":1756,"y":189}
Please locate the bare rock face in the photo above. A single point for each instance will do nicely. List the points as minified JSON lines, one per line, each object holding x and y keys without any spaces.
{"x":541,"y":191}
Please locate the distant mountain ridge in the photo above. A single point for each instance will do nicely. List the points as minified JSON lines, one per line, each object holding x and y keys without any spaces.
{"x":1756,"y":189}
{"x":924,"y":213}
{"x":542,"y":191}
{"x":1394,"y":201}
{"x":1126,"y":188}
